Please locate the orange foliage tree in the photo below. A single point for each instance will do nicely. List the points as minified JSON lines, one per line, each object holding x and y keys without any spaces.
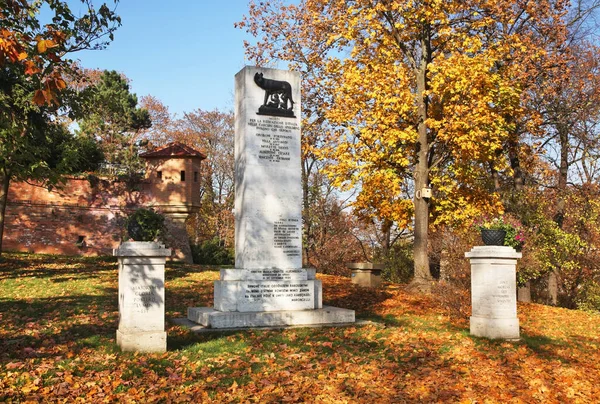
{"x":39,"y":51}
{"x":212,"y":132}
{"x":412,"y":94}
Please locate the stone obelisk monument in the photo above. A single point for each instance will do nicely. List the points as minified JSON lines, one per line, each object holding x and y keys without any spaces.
{"x":268,"y":286}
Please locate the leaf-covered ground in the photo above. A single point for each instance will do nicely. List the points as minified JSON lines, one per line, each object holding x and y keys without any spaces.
{"x":59,"y":315}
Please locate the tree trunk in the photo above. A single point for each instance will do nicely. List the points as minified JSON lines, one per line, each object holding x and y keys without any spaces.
{"x":495,"y":178}
{"x":553,"y":287}
{"x":563,"y":172}
{"x":515,"y":164}
{"x":5,"y":182}
{"x":422,"y":272}
{"x":386,"y":229}
{"x":559,"y":217}
{"x":420,"y":251}
{"x":306,"y":215}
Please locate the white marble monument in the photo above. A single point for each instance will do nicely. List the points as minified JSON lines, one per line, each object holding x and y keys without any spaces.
{"x":142,"y":296}
{"x":494,"y":292}
{"x":268,"y":286}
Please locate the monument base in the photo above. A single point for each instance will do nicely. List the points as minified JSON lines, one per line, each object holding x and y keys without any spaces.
{"x":144,"y":341}
{"x":211,"y":318}
{"x":495,"y":328}
{"x":366,"y":274}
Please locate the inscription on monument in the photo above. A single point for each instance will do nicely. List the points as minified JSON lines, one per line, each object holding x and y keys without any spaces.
{"x":502,"y":295}
{"x":286,"y":235}
{"x":275,"y":274}
{"x":295,"y":292}
{"x":274,"y":137}
{"x":144,"y":297}
{"x":494,"y":295}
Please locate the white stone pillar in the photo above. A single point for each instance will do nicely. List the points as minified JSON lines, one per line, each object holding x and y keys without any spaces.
{"x":142,"y":296}
{"x":268,"y":184}
{"x":268,"y":286}
{"x":494,"y":292}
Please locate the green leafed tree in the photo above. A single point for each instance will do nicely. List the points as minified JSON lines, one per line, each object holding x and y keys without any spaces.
{"x":111,"y":116}
{"x":34,"y":64}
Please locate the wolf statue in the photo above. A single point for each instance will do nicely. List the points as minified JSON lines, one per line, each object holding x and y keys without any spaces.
{"x":277,"y":95}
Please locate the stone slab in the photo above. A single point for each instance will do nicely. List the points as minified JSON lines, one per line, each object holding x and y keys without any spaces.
{"x":495,"y":328}
{"x":141,"y":297}
{"x":143,"y":260}
{"x":149,"y":341}
{"x":366,"y":278}
{"x":141,"y":249}
{"x":252,"y":296}
{"x":200,"y":329}
{"x":366,"y":265}
{"x":211,"y":318}
{"x":268,"y":192}
{"x":493,"y":252}
{"x":493,"y":290}
{"x":267,"y":274}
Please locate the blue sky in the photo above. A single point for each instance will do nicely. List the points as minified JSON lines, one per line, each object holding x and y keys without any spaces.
{"x":185,"y":53}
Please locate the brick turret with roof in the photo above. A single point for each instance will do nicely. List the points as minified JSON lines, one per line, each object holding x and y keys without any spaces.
{"x":173,"y":172}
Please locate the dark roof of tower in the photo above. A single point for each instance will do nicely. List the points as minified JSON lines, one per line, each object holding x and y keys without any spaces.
{"x":174,"y":149}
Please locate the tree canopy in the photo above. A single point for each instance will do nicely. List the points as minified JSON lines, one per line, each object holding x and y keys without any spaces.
{"x":34,"y":66}
{"x":111,"y":116}
{"x":413,"y":95}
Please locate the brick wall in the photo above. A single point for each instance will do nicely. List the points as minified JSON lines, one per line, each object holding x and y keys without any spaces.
{"x":86,"y":217}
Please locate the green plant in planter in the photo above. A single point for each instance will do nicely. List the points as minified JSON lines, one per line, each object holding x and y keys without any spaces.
{"x":514,"y":236}
{"x":145,"y":225}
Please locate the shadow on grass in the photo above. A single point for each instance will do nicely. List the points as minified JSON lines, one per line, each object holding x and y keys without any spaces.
{"x":558,"y":349}
{"x":18,"y":265}
{"x":388,"y":320}
{"x":183,"y":339}
{"x":39,"y":324}
{"x":363,"y":300}
{"x":541,"y":346}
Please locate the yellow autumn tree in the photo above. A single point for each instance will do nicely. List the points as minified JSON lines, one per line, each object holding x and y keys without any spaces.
{"x":411,"y":95}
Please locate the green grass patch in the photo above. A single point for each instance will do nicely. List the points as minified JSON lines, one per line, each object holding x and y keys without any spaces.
{"x":57,"y":344}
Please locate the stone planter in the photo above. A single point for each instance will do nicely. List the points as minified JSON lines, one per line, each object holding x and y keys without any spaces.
{"x":142,"y":296}
{"x":366,"y":273}
{"x":493,"y":236}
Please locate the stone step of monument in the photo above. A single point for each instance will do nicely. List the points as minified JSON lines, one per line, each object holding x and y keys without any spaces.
{"x":251,"y":296}
{"x":211,"y":318}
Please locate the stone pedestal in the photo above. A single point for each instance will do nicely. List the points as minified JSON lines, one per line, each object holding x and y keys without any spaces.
{"x":268,"y":287}
{"x":366,"y":273}
{"x":524,"y":293}
{"x":494,"y":292}
{"x":142,"y":296}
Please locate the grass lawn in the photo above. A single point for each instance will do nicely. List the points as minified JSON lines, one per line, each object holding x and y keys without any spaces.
{"x":59,"y":316}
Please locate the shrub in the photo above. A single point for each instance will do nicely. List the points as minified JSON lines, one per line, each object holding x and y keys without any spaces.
{"x":454,"y":287}
{"x":145,"y":225}
{"x":589,"y":296}
{"x":399,"y":264}
{"x":212,"y":252}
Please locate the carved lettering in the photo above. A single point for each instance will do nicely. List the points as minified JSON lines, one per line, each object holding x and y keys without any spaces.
{"x":287,"y":235}
{"x":295,"y":292}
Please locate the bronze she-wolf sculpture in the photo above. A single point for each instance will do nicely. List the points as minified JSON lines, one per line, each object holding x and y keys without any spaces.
{"x":277,"y":95}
